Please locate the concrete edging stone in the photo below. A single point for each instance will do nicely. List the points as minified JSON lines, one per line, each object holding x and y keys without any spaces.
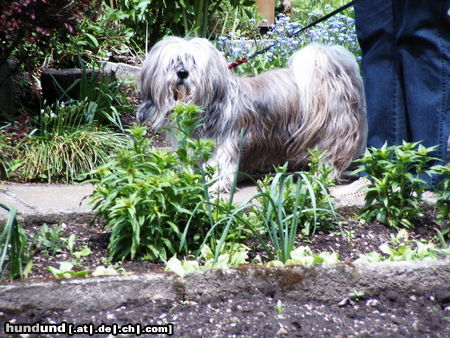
{"x":319,"y":283}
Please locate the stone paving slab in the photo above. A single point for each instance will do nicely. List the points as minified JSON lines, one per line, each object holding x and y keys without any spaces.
{"x":51,"y":203}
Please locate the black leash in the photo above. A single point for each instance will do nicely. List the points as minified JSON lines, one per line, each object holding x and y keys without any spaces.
{"x":326,"y":17}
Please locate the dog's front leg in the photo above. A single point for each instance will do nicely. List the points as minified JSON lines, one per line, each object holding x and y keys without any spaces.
{"x":225,"y":162}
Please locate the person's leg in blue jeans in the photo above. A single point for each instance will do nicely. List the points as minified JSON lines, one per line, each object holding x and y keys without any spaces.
{"x":405,"y":66}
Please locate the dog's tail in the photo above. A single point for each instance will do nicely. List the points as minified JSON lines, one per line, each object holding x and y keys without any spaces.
{"x":331,"y":102}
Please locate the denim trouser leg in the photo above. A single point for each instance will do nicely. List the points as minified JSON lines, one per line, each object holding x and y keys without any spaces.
{"x":406,"y":65}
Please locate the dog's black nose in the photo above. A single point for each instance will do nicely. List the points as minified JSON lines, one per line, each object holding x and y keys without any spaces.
{"x":182,"y":74}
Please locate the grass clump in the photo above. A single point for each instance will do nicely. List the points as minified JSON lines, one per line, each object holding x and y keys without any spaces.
{"x":67,"y":156}
{"x":13,"y":247}
{"x":289,"y":204}
{"x":69,"y":138}
{"x":67,"y":144}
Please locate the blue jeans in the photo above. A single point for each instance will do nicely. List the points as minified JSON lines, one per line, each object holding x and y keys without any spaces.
{"x":405,"y":66}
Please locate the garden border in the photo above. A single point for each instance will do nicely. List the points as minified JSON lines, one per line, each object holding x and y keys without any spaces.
{"x":314,"y":283}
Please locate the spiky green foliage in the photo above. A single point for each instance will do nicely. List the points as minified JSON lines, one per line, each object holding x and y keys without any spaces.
{"x":13,"y":246}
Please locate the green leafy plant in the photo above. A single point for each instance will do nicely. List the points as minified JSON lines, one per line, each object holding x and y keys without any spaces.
{"x":156,"y":202}
{"x":286,"y":204}
{"x":356,"y":295}
{"x":394,"y":196}
{"x":107,"y":96}
{"x":303,"y":255}
{"x":57,"y":118}
{"x":443,"y":193}
{"x":84,"y":251}
{"x":232,"y":255}
{"x":442,"y":235}
{"x":70,"y":242}
{"x":65,"y":270}
{"x":400,"y":248}
{"x":409,"y":251}
{"x":280,"y":307}
{"x":13,"y":247}
{"x":105,"y":37}
{"x":101,"y":100}
{"x":48,"y":240}
{"x":155,"y":19}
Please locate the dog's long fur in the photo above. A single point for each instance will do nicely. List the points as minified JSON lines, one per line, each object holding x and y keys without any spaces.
{"x":317,"y":101}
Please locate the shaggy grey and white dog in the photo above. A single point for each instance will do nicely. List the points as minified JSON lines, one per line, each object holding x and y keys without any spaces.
{"x":317,"y":101}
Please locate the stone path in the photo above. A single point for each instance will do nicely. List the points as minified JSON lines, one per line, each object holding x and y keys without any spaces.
{"x":51,"y":203}
{"x":56,"y":203}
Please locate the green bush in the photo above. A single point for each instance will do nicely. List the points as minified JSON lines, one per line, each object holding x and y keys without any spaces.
{"x":151,"y":20}
{"x":104,"y":37}
{"x":156,"y":202}
{"x":47,"y":240}
{"x":394,"y":196}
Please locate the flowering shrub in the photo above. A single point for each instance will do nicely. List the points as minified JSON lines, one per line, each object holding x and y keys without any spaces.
{"x":339,"y":29}
{"x":35,"y":21}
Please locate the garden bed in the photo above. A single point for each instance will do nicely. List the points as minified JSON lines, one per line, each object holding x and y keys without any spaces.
{"x":389,"y":299}
{"x":381,"y":299}
{"x":349,"y":238}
